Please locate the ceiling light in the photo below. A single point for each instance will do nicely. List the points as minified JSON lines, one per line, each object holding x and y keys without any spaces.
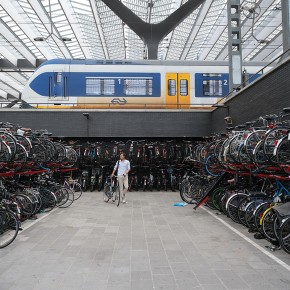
{"x":39,"y":39}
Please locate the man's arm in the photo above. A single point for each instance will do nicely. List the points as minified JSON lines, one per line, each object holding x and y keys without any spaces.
{"x":127,"y":171}
{"x":115,"y":168}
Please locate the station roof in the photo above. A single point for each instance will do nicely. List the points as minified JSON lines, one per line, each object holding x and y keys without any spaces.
{"x":36,"y":30}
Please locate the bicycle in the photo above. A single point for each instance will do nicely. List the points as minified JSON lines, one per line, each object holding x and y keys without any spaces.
{"x":112,"y":190}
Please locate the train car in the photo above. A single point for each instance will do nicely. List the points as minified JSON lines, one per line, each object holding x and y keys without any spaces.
{"x":67,"y":83}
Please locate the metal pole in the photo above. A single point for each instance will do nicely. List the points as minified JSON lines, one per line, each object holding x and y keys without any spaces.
{"x":285,"y":6}
{"x":234,"y":44}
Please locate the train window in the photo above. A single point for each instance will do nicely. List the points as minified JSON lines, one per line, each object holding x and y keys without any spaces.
{"x":212,"y":88}
{"x":183,"y":87}
{"x":98,"y":87}
{"x":108,"y":87}
{"x":93,"y":86}
{"x":138,"y":87}
{"x":211,"y":75}
{"x":171,"y":87}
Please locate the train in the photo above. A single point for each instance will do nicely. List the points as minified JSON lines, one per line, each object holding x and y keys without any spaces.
{"x":76,"y":83}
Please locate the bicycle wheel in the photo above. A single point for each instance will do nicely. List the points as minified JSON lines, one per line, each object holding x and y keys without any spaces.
{"x":5,"y":152}
{"x":106,"y":193}
{"x":48,"y":200}
{"x":10,"y":141}
{"x":64,"y":196}
{"x":20,"y":157}
{"x":242,"y":208}
{"x":27,"y":206}
{"x":9,"y":226}
{"x":284,"y":237}
{"x":117,"y":195}
{"x":270,"y":141}
{"x":60,"y":153}
{"x":268,"y":222}
{"x":77,"y":189}
{"x":38,"y":152}
{"x":282,"y":151}
{"x":212,"y":166}
{"x":258,"y":214}
{"x":233,"y":206}
{"x":216,"y":198}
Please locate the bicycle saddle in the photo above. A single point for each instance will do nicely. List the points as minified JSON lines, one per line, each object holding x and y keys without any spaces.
{"x":286,"y":110}
{"x":258,"y":194}
{"x":270,"y":117}
{"x":241,"y":126}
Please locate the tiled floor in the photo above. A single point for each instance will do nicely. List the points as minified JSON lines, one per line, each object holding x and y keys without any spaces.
{"x":145,"y":244}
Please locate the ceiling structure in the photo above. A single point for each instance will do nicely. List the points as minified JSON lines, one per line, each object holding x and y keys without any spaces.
{"x":89,"y":29}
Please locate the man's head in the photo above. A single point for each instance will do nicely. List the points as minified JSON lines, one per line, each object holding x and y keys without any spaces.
{"x":122,"y":156}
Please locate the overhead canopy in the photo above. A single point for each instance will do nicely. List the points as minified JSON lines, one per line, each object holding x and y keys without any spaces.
{"x":89,"y":29}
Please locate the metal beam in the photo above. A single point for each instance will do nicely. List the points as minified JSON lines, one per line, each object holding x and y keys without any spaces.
{"x":25,"y":27}
{"x":20,"y":64}
{"x":46,"y":22}
{"x":67,"y":10}
{"x":11,"y":59}
{"x":99,"y":28}
{"x":152,"y":34}
{"x":195,"y":28}
{"x":285,"y":5}
{"x":234,"y":44}
{"x":247,"y":24}
{"x":13,"y":38}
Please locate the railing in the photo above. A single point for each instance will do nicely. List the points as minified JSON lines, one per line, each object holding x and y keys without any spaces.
{"x":142,"y":106}
{"x":236,"y":90}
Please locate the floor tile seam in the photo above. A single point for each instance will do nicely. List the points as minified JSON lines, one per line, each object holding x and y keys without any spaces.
{"x":51,"y":229}
{"x":37,"y":221}
{"x":111,"y":262}
{"x":186,"y":260}
{"x":172,"y":272}
{"x":244,"y":237}
{"x":146,"y":240}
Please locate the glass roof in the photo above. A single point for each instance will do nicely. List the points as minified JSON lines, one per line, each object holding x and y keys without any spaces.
{"x":92,"y":31}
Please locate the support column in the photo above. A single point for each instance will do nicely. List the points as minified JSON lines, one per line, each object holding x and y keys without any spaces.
{"x":234,"y":44}
{"x":152,"y":34}
{"x":285,"y":6}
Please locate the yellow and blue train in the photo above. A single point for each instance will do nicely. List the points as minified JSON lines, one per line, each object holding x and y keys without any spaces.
{"x":71,"y":83}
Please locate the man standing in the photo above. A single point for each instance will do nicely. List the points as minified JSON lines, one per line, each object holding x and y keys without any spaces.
{"x":122,"y":167}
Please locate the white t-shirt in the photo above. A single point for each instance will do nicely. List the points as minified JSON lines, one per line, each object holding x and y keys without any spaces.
{"x":123,"y":166}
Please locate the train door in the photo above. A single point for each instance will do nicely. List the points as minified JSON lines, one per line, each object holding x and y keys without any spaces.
{"x":58,"y":86}
{"x":177,"y":90}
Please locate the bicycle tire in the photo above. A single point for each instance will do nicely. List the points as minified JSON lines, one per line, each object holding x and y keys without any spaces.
{"x":232,"y":205}
{"x":258,"y":214}
{"x":9,"y":227}
{"x":48,"y":200}
{"x":284,"y":237}
{"x":117,"y":195}
{"x":26,"y":204}
{"x":77,"y":189}
{"x":5,"y":152}
{"x":242,"y":208}
{"x":64,"y":196}
{"x":268,"y":225}
{"x":106,"y":193}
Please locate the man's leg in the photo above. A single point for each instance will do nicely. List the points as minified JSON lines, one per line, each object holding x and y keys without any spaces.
{"x":121,"y":185}
{"x":126,"y":185}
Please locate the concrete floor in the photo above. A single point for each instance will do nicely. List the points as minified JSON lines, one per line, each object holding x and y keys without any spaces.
{"x":145,"y":244}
